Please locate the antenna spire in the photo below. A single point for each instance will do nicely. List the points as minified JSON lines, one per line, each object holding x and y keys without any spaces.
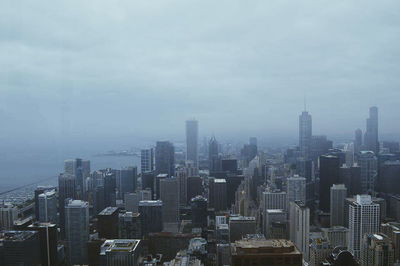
{"x":305,"y":101}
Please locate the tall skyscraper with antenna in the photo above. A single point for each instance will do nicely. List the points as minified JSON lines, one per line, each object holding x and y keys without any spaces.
{"x":305,"y":132}
{"x":371,"y":135}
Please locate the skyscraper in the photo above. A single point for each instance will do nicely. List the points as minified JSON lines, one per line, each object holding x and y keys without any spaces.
{"x":369,"y":170}
{"x":338,"y":195}
{"x":152,"y":218}
{"x":169,"y":194}
{"x":213,"y":155}
{"x":378,"y":249}
{"x":147,"y":160}
{"x":48,"y":207}
{"x":66,"y":190}
{"x":358,"y":140}
{"x":77,"y":231}
{"x":305,"y":133}
{"x":329,"y":174}
{"x":165,"y":158}
{"x":363,"y":219}
{"x":127,"y":180}
{"x":371,"y":134}
{"x":80,"y":169}
{"x":296,"y":189}
{"x":192,"y":132}
{"x":300,"y":227}
{"x":47,"y":242}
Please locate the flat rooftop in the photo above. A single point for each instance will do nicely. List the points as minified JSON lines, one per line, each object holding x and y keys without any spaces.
{"x":119,"y":245}
{"x":109,"y":211}
{"x":16,"y":235}
{"x":273,"y":246}
{"x":150,"y":203}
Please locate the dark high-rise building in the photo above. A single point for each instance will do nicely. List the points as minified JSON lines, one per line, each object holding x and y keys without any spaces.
{"x":388,"y":181}
{"x":47,"y":242}
{"x":192,"y":132}
{"x":199,"y":211}
{"x":320,"y":145}
{"x":148,"y":182}
{"x":218,"y":194}
{"x":371,"y":134}
{"x":110,"y":185}
{"x":229,"y":165}
{"x":194,"y":187}
{"x":130,"y":225}
{"x":165,"y":158}
{"x":305,"y":133}
{"x":19,"y":248}
{"x":127,"y":180}
{"x":329,"y":174}
{"x":151,"y":212}
{"x":351,"y":178}
{"x":66,"y":190}
{"x":369,"y":171}
{"x":358,"y":140}
{"x":232,"y":184}
{"x":77,"y":231}
{"x":147,"y":160}
{"x":107,"y":223}
{"x":213,"y":155}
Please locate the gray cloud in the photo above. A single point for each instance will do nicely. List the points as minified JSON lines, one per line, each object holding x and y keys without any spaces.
{"x":111,"y":70}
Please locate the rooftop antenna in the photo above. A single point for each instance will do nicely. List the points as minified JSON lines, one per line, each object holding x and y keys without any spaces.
{"x":305,"y":101}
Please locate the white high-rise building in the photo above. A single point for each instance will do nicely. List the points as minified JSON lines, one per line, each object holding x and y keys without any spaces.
{"x":192,"y":132}
{"x":300,"y":227}
{"x":48,"y":207}
{"x":364,"y":218}
{"x":147,"y":160}
{"x":296,"y":189}
{"x":338,"y":195}
{"x":77,"y":231}
{"x":274,"y":199}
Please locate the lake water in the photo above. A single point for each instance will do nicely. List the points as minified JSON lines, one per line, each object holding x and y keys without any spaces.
{"x":19,"y":168}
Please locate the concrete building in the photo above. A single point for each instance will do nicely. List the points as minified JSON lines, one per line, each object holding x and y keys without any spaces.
{"x":77,"y":231}
{"x":127,"y":180}
{"x":258,"y":252}
{"x":338,"y":236}
{"x":8,"y":214}
{"x":338,"y":195}
{"x":299,"y":216}
{"x":117,"y":252}
{"x":320,"y":249}
{"x":363,"y":219}
{"x":378,"y":250}
{"x":48,"y":242}
{"x":296,"y":189}
{"x":169,"y":195}
{"x":392,"y":230}
{"x":272,"y":216}
{"x":240,"y":226}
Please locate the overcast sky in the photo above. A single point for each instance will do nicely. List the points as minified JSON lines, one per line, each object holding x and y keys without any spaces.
{"x":101,"y":71}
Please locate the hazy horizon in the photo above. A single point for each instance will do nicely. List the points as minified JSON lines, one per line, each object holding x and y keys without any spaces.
{"x":89,"y":74}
